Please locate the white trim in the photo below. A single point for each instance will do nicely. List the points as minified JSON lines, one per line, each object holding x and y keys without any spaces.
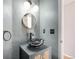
{"x":61,"y":29}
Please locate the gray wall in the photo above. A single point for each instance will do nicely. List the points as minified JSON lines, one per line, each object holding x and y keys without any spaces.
{"x":19,"y":34}
{"x":49,"y":20}
{"x":7,"y":19}
{"x":13,"y":13}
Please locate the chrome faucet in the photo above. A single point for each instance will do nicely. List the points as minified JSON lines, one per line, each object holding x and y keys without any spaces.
{"x":31,"y":34}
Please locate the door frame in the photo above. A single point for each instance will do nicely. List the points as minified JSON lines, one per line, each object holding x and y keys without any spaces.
{"x":60,"y":29}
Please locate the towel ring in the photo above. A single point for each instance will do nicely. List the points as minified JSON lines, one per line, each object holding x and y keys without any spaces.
{"x":6,"y":35}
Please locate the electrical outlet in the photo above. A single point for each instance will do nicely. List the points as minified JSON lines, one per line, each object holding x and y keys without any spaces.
{"x":52,"y":31}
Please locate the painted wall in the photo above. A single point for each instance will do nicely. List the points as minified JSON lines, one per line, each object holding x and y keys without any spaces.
{"x":12,"y":20}
{"x":7,"y":19}
{"x":49,"y":20}
{"x":13,"y":13}
{"x":69,"y":28}
{"x":19,"y":34}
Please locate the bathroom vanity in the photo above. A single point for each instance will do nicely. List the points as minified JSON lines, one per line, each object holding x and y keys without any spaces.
{"x":42,"y":52}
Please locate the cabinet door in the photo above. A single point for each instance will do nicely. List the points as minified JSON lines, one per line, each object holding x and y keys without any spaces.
{"x":7,"y":28}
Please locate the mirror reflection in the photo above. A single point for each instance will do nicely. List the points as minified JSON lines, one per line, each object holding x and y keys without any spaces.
{"x":29,"y":21}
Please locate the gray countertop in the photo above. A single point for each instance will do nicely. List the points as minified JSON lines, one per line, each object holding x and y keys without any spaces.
{"x":32,"y":50}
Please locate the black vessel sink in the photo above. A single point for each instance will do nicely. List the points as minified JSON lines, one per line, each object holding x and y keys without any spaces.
{"x":36,"y":42}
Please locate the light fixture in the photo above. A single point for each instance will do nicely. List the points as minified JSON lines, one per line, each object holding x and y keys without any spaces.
{"x":35,"y":8}
{"x":30,"y":6}
{"x":27,"y":5}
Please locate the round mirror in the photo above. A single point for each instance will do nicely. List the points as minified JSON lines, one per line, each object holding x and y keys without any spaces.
{"x":29,"y":21}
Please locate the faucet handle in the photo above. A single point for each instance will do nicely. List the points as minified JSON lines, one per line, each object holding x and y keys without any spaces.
{"x":31,"y":34}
